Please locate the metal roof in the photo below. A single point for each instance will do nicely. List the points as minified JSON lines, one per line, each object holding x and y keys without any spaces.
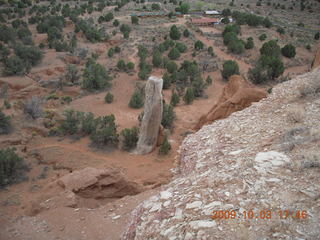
{"x":210,"y":12}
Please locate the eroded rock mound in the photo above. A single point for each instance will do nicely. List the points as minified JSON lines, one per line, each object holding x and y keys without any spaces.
{"x":98,"y":183}
{"x":316,"y":61}
{"x":151,"y":121}
{"x":237,"y":95}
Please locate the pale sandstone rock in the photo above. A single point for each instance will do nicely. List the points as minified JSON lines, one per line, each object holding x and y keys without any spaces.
{"x":151,"y":121}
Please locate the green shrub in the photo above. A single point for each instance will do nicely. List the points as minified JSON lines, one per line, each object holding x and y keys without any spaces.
{"x":168,"y":116}
{"x":130,"y":138}
{"x":317,"y":36}
{"x":249,"y":43}
{"x":288,"y":51}
{"x":110,"y":52}
{"x":66,"y":99}
{"x":108,"y":17}
{"x":225,"y":20}
{"x":70,"y":125}
{"x":165,"y":147}
{"x":29,"y":54}
{"x":198,"y":86}
{"x":171,"y":66}
{"x":134,"y":20}
{"x":267,"y":67}
{"x":186,"y":33}
{"x":6,"y":104}
{"x":95,"y":77}
{"x":209,"y":80}
{"x":226,"y":12}
{"x":105,"y":133}
{"x":155,"y":6}
{"x":175,"y":33}
{"x":117,"y":49}
{"x":12,"y":167}
{"x":88,"y":123}
{"x":281,"y":30}
{"x":174,"y":54}
{"x":270,"y":48}
{"x":229,"y":68}
{"x":232,"y":28}
{"x":72,"y":73}
{"x":184,"y":8}
{"x":15,"y":66}
{"x":181,"y":47}
{"x":5,"y":124}
{"x":156,"y":58}
{"x":145,"y":70}
{"x":236,"y":46}
{"x":166,"y":81}
{"x":124,"y":28}
{"x":116,"y":23}
{"x":262,"y":37}
{"x":136,"y":100}
{"x":175,"y":99}
{"x":198,"y":45}
{"x":121,"y":65}
{"x":130,"y":65}
{"x":7,"y":34}
{"x":108,"y":98}
{"x":189,"y":96}
{"x":229,"y":37}
{"x":267,"y":23}
{"x":210,"y":51}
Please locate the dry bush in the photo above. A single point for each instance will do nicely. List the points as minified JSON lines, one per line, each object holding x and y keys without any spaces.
{"x":295,"y":114}
{"x":312,"y":160}
{"x":33,"y":107}
{"x":309,"y":89}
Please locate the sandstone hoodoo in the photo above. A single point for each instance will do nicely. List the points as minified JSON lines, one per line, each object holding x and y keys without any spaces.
{"x":151,"y":121}
{"x":237,"y":95}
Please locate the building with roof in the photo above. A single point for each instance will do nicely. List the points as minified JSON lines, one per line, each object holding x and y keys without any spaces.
{"x":205,"y":21}
{"x":155,"y":14}
{"x":211,"y":13}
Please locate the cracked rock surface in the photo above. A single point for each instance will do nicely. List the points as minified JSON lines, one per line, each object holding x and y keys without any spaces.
{"x":256,"y":159}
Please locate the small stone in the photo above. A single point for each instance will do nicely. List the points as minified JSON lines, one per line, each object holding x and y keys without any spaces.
{"x":155,"y":207}
{"x":165,"y":195}
{"x":166,"y":203}
{"x":116,"y":217}
{"x":202,"y":224}
{"x":195,"y":204}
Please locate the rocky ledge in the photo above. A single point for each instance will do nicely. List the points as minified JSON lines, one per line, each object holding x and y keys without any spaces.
{"x":264,"y":160}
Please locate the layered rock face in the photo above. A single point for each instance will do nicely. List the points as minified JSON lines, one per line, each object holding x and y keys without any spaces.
{"x":237,"y":95}
{"x":151,"y":121}
{"x":256,"y":159}
{"x":98,"y":183}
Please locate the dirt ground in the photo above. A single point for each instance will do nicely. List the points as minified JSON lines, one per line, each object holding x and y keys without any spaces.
{"x":95,"y":218}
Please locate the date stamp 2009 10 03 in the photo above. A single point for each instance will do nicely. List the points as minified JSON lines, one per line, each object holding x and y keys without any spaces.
{"x":262,"y":214}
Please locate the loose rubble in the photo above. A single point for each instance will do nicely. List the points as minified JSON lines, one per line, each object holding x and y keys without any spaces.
{"x":239,"y":164}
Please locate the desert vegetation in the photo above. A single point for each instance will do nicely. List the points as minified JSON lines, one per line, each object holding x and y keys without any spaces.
{"x":73,"y":77}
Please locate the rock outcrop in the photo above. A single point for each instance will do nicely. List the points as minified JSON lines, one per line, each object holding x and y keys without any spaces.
{"x":98,"y":183}
{"x":151,"y":120}
{"x":256,"y":159}
{"x":237,"y":95}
